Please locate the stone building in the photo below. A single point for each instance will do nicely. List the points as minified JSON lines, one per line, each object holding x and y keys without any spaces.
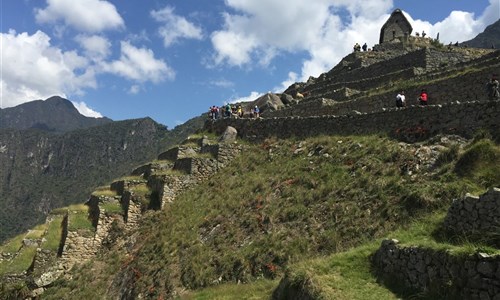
{"x":396,"y":27}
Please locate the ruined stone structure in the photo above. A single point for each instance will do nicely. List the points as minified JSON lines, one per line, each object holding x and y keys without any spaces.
{"x":475,"y":276}
{"x":396,"y":27}
{"x":408,"y":124}
{"x":114,"y":213}
{"x":355,"y":97}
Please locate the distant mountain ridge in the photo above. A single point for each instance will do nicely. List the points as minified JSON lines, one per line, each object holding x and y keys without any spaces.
{"x":486,"y":39}
{"x":54,"y":114}
{"x":52,"y":156}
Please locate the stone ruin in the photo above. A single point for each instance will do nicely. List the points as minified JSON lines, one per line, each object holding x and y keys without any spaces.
{"x":397,"y":27}
{"x":355,"y":97}
{"x":112,"y":214}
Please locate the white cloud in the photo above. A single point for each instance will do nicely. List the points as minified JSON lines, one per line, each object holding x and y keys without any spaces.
{"x":175,"y":27}
{"x":256,"y":31}
{"x":95,"y":47}
{"x":134,"y":89}
{"x":139,"y":64}
{"x":253,"y":96}
{"x":85,"y":110}
{"x":223,"y":83}
{"x":84,"y":15}
{"x":32,"y":69}
{"x":292,"y":78}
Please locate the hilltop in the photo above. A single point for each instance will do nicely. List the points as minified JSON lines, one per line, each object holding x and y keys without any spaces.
{"x":54,"y":114}
{"x":304,"y":203}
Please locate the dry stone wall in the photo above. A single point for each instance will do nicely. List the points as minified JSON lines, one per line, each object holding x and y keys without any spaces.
{"x":410,"y":123}
{"x":475,"y":215}
{"x":463,"y":277}
{"x":473,"y":276}
{"x":467,"y":87}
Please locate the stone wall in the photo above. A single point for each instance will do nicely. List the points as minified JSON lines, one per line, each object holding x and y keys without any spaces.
{"x":467,"y":87}
{"x":475,"y":215}
{"x":462,"y":277}
{"x":368,"y":70}
{"x":410,"y":123}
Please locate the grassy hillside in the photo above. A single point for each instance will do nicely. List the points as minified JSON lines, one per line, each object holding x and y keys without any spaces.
{"x":279,"y":205}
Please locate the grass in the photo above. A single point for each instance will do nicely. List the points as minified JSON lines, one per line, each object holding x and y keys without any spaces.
{"x":78,"y":219}
{"x":270,"y":209}
{"x":20,"y":263}
{"x":296,"y":207}
{"x":13,"y":245}
{"x":104,"y":191}
{"x":260,"y":289}
{"x":53,"y":235}
{"x":131,"y":178}
{"x":37,"y":232}
{"x":112,"y":207}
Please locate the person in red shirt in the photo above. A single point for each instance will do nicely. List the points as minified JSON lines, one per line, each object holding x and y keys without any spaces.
{"x":423,"y":97}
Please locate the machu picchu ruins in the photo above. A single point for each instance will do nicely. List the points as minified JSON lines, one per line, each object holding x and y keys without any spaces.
{"x":356,"y":97}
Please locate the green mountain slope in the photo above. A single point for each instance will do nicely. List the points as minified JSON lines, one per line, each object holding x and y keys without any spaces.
{"x":279,"y":203}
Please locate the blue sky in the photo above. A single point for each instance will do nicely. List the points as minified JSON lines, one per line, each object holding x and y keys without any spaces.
{"x":171,"y":60}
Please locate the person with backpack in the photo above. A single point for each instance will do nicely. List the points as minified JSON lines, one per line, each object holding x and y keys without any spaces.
{"x":256,"y":112}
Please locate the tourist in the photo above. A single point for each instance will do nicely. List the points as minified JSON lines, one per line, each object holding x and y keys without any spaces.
{"x":365,"y":47}
{"x":256,"y":112}
{"x":423,"y":33}
{"x":239,"y":111}
{"x":492,"y":89}
{"x":400,"y":99}
{"x":423,"y":97}
{"x":357,"y":47}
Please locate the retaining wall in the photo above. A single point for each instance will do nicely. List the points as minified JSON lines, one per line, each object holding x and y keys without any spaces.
{"x":410,"y":123}
{"x":461,"y":277}
{"x":475,"y":215}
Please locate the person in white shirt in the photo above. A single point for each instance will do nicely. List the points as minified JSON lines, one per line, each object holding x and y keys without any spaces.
{"x":400,"y":99}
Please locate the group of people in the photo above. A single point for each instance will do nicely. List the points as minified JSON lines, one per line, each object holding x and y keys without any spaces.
{"x":401,"y":98}
{"x":357,"y":47}
{"x":228,"y":111}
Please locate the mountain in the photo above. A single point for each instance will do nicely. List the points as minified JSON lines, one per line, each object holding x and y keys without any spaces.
{"x":52,"y":156}
{"x":54,"y":114}
{"x":488,"y":38}
{"x":41,"y":170}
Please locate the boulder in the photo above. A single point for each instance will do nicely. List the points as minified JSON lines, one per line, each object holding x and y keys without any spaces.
{"x":268,"y":102}
{"x":229,"y":135}
{"x":286,"y":99}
